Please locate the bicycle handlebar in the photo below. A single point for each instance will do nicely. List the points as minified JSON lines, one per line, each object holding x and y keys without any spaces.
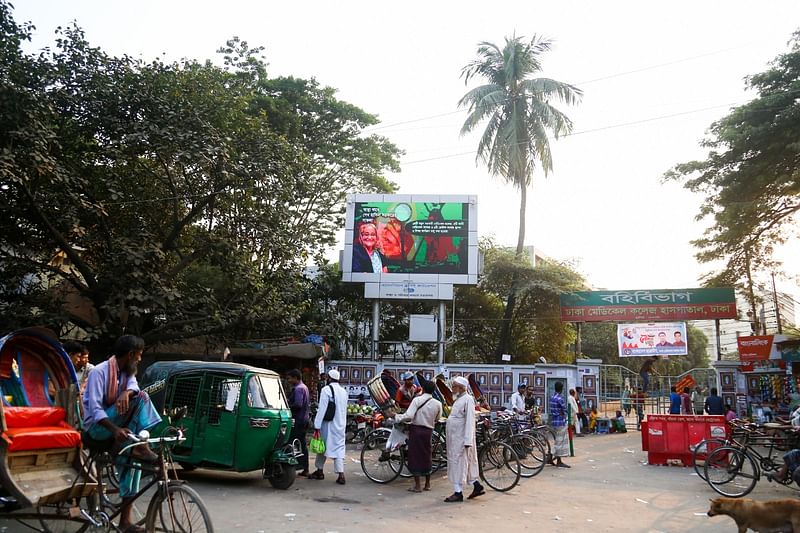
{"x":138,"y":441}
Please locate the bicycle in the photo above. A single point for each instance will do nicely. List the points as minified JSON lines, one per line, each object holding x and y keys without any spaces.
{"x":734,"y":470}
{"x":173,"y":507}
{"x":381,"y":467}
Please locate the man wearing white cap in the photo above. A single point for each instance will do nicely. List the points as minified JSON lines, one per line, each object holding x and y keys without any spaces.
{"x":331,"y":422}
{"x":462,"y":455}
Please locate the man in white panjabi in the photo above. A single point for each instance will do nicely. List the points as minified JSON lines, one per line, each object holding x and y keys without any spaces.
{"x":462,"y":455}
{"x":574,"y":421}
{"x":332,"y":431}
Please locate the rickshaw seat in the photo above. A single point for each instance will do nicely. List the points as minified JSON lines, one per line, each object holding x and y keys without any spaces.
{"x":38,"y":428}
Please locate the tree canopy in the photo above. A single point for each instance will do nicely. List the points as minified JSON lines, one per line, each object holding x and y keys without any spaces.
{"x":750,"y":178}
{"x":169,"y":200}
{"x":519,"y":114}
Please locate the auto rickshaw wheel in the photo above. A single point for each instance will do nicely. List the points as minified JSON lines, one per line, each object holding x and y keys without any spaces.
{"x":283,"y":476}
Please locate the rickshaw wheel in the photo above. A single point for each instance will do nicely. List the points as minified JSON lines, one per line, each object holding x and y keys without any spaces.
{"x":60,"y":523}
{"x":284,"y":479}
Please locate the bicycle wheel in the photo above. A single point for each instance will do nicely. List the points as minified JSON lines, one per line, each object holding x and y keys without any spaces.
{"x":56,"y":518}
{"x":701,"y":452}
{"x":438,"y":452}
{"x":376,"y":466}
{"x":179,"y":511}
{"x":531,"y":454}
{"x":499,"y":466}
{"x":731,"y":472}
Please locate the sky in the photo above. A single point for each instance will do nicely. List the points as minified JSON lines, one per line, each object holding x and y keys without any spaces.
{"x":654,"y":76}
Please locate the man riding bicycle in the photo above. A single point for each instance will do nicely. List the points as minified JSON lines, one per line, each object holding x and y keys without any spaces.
{"x":115,"y":410}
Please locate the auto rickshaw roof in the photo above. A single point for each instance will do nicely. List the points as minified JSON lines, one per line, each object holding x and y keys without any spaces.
{"x":170,"y":368}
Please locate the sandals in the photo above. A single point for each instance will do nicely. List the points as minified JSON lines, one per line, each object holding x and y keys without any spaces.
{"x":455,"y":497}
{"x":340,"y":480}
{"x":316,"y":475}
{"x":415,"y":490}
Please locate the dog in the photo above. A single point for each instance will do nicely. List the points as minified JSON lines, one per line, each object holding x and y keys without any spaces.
{"x":778,"y":516}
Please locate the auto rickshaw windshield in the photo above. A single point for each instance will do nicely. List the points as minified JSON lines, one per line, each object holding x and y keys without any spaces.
{"x":264,"y":392}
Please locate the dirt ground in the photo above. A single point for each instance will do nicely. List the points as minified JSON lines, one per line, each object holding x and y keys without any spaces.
{"x":609,"y":488}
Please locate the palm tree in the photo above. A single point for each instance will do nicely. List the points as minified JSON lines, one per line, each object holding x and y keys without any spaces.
{"x":518,"y":113}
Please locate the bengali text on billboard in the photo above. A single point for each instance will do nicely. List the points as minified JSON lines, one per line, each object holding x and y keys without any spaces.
{"x":648,"y":305}
{"x":641,"y":340}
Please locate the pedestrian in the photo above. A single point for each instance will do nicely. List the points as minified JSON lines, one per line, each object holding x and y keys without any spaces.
{"x":79,"y":355}
{"x":644,"y":372}
{"x":714,"y":404}
{"x":686,"y":401}
{"x":530,"y":401}
{"x":730,"y":414}
{"x":574,"y":420}
{"x":299,"y":404}
{"x":674,"y":402}
{"x":421,"y":415}
{"x":462,"y":455}
{"x":331,"y":424}
{"x":407,"y":391}
{"x":582,"y":409}
{"x":517,"y":402}
{"x":638,"y":404}
{"x":558,"y":421}
{"x":625,"y":400}
{"x":698,"y":400}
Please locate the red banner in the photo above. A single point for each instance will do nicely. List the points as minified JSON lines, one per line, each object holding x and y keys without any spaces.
{"x":687,"y":381}
{"x":754,"y":348}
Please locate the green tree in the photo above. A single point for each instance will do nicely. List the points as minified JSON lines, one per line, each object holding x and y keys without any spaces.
{"x":536,"y":327}
{"x":750,"y":176}
{"x":170,"y":200}
{"x":519,"y":114}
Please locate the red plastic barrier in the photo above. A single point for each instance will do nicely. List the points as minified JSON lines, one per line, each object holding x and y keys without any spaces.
{"x":671,"y":437}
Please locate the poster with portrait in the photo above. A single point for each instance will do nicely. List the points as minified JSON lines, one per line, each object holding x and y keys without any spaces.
{"x":369,"y":373}
{"x":591,"y":402}
{"x":482,"y":378}
{"x":355,"y":374}
{"x":538,"y":401}
{"x":753,"y":385}
{"x":494,"y":401}
{"x":455,"y":374}
{"x":508,"y":381}
{"x":589,"y":385}
{"x":643,"y":340}
{"x":538,"y":382}
{"x":729,"y":399}
{"x":427,"y":374}
{"x":344,"y":374}
{"x":727,"y":380}
{"x":526,"y":379}
{"x":495,"y":380}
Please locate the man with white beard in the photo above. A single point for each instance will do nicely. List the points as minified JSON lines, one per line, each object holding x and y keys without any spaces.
{"x":462,"y":455}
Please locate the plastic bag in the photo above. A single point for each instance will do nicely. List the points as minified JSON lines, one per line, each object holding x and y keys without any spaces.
{"x":317,"y":445}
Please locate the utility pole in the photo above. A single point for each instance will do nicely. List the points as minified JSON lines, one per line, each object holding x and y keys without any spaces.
{"x":777,"y":306}
{"x":752,"y":297}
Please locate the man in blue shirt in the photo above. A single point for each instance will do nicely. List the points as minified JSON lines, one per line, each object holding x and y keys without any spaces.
{"x":558,"y":420}
{"x":674,"y":402}
{"x":714,"y":404}
{"x":299,"y":404}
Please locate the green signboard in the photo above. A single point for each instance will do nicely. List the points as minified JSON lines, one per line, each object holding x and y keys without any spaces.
{"x":648,"y":305}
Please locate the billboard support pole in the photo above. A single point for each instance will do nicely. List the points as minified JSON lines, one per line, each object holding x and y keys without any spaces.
{"x":376,"y":328}
{"x":442,"y":331}
{"x":719,"y":341}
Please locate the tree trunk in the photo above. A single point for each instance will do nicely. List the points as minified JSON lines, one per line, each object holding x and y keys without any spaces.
{"x":504,"y":343}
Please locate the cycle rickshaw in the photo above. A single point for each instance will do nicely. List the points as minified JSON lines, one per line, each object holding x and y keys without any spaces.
{"x":48,"y":481}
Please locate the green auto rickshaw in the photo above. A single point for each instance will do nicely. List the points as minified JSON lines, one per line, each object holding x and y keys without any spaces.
{"x":236,"y":417}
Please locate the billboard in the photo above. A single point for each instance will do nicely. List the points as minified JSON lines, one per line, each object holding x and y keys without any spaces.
{"x":754,"y":347}
{"x":405,"y":238}
{"x":643,"y":340}
{"x":648,"y":306}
